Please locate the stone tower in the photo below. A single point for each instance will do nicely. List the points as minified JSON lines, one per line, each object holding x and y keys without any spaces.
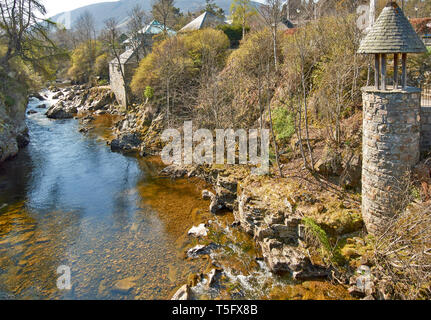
{"x":391,"y":128}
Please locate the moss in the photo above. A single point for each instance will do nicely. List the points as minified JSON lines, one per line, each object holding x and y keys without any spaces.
{"x":310,"y":290}
{"x":356,"y":250}
{"x":327,"y":249}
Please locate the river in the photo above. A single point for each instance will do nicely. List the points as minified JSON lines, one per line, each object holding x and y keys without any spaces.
{"x":67,"y":200}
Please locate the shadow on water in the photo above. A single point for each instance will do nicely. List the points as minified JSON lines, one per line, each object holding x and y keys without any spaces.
{"x":67,"y":200}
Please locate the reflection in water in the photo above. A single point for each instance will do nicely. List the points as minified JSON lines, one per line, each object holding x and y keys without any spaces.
{"x":67,"y":200}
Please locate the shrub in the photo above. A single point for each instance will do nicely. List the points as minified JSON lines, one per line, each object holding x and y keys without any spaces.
{"x":149,"y":93}
{"x":233,"y":32}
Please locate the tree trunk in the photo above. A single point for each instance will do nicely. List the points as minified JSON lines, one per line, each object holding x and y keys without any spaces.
{"x":307,"y":135}
{"x":277,"y":156}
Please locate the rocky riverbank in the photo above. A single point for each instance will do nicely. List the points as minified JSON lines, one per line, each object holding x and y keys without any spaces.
{"x":13,"y":130}
{"x":134,"y":131}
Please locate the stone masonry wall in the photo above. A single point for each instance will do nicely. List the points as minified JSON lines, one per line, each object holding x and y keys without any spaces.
{"x":426,"y":129}
{"x":117,"y":83}
{"x":116,"y":80}
{"x":391,"y":145}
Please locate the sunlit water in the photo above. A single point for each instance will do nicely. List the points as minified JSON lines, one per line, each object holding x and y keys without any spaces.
{"x":68,"y":200}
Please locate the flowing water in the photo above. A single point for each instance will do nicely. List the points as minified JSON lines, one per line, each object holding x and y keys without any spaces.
{"x":67,"y":200}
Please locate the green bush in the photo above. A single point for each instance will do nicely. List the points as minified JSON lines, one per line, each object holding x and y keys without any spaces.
{"x":149,"y":93}
{"x":233,"y":32}
{"x":284,"y":125}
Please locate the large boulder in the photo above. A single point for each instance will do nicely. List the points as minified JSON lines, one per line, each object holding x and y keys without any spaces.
{"x":282,"y":258}
{"x":126,"y":142}
{"x":60,"y":111}
{"x":99,"y":99}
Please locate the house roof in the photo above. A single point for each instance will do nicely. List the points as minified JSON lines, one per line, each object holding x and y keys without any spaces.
{"x":392,"y":33}
{"x":422,"y":25}
{"x":155,"y":27}
{"x":206,"y":19}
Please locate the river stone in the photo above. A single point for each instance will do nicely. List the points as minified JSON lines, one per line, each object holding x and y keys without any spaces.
{"x":282,"y":258}
{"x":214,"y":278}
{"x":201,"y":250}
{"x":182,"y":294}
{"x":58,"y":95}
{"x":207,"y":195}
{"x":216,"y":205}
{"x":38,"y":96}
{"x":124,"y":286}
{"x":199,"y":231}
{"x":174,"y":171}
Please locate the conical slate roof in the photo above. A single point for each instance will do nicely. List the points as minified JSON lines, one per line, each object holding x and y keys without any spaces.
{"x":205,"y":20}
{"x":392,"y":33}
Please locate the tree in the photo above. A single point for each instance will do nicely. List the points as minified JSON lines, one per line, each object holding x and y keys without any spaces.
{"x":167,"y":69}
{"x":213,"y":8}
{"x":25,"y":35}
{"x":83,"y":68}
{"x":179,"y":68}
{"x":111,"y":37}
{"x":241,"y":11}
{"x":165,"y":12}
{"x":271,"y":12}
{"x":137,"y":21}
{"x":85,"y":32}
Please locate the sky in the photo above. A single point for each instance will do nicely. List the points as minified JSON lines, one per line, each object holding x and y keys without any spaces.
{"x":57,"y":6}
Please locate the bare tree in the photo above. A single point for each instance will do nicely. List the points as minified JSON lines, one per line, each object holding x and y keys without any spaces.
{"x":85,"y":29}
{"x":306,"y":87}
{"x":111,"y":36}
{"x":137,"y":21}
{"x":85,"y":32}
{"x":164,"y":11}
{"x":271,"y":11}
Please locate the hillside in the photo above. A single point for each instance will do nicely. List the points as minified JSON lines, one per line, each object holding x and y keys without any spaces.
{"x":105,"y":10}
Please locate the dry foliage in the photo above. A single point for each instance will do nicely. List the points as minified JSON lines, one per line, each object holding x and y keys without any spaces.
{"x":403,"y":252}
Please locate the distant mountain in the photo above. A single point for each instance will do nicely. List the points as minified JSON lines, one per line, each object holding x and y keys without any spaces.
{"x":119,"y":9}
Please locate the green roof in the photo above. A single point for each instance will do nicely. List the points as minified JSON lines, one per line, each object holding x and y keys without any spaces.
{"x":392,"y":33}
